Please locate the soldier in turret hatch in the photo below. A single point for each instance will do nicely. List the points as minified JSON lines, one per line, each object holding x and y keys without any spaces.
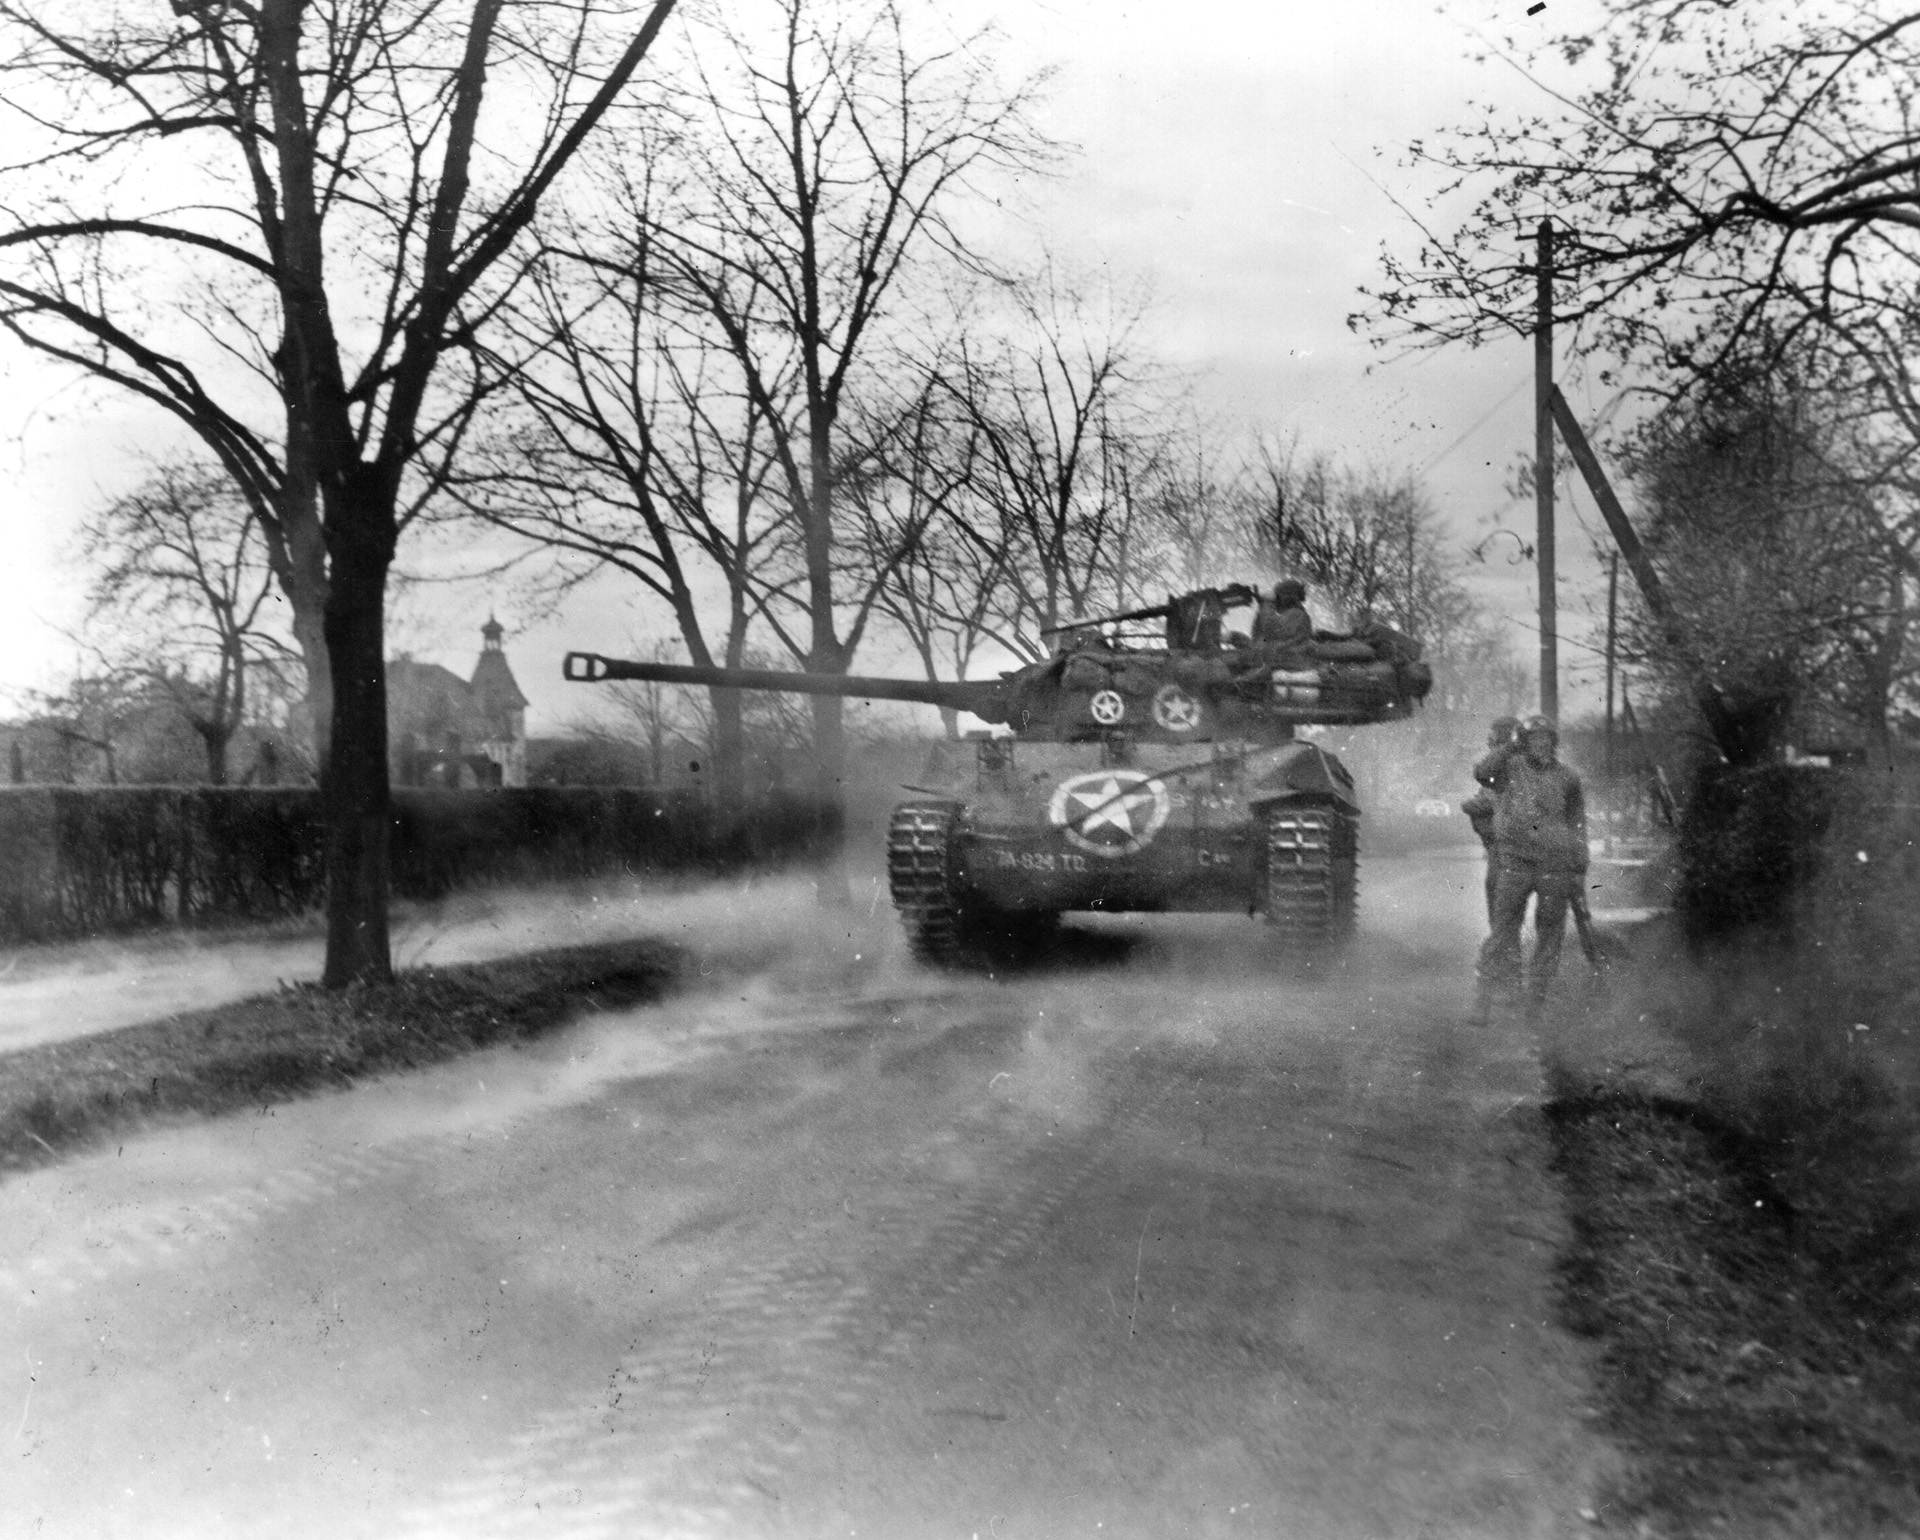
{"x":1283,"y":631}
{"x":1540,"y":834}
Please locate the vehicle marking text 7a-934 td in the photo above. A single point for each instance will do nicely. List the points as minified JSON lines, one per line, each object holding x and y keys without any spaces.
{"x":1038,"y":861}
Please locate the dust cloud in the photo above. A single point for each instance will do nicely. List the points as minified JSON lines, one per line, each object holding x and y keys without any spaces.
{"x":832,"y":995}
{"x":54,"y":992}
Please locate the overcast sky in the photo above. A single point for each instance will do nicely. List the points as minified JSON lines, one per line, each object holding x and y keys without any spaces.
{"x":1241,"y":160}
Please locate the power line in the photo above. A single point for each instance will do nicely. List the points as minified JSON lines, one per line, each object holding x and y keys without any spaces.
{"x":1519,"y":385}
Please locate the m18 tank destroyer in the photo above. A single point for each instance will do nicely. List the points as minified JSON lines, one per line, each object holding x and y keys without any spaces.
{"x":1129,"y":771}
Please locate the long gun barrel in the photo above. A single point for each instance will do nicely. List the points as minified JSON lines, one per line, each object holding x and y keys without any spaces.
{"x":983,"y":698}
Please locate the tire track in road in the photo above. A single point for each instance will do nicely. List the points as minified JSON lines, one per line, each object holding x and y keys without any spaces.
{"x":688,"y":1428}
{"x":62,"y":1245}
{"x":700,"y":1424}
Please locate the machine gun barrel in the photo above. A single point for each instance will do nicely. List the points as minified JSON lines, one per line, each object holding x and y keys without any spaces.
{"x":1151,"y":612}
{"x":983,"y":698}
{"x":1233,"y":594}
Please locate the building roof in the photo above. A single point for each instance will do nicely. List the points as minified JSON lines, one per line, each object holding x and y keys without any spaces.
{"x":494,"y":683}
{"x":435,"y":704}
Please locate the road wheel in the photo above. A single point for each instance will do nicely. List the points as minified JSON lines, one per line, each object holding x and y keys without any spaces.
{"x":1312,"y":878}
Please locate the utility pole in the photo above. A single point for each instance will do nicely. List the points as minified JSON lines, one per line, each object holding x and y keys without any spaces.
{"x":1613,"y":611}
{"x":1413,"y":567}
{"x":1543,"y":470}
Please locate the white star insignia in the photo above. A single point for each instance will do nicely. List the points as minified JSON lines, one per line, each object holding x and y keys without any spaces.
{"x":1109,"y":805}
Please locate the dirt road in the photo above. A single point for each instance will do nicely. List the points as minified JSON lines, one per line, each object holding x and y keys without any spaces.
{"x":1154,"y":1240}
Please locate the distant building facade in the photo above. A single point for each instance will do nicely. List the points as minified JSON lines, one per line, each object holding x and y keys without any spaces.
{"x":443,"y":730}
{"x":135,"y":736}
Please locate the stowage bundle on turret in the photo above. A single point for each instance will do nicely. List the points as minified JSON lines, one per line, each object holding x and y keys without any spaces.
{"x":1097,"y":799}
{"x":1198,"y":682}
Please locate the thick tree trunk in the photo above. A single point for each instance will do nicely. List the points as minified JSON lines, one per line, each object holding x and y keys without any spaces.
{"x":215,"y":743}
{"x":296,"y":550}
{"x":729,"y":755}
{"x":1881,"y":669}
{"x":310,"y":633}
{"x":829,"y":791}
{"x":356,"y":798}
{"x":229,"y":711}
{"x":826,"y":656}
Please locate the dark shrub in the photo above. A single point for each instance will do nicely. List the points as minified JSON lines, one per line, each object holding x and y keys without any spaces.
{"x":82,"y":860}
{"x":1750,"y":841}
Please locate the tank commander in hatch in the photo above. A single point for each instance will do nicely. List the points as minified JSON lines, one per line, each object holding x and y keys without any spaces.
{"x":1282,"y":630}
{"x":1479,"y":808}
{"x":1540,"y":838}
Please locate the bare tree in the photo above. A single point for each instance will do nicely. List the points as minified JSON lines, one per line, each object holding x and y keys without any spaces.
{"x":1200,"y":517}
{"x":1056,"y":492}
{"x":183,"y":583}
{"x":1780,"y":547}
{"x":1721,"y":176}
{"x":87,"y":717}
{"x":1368,"y":542}
{"x":776,"y":729}
{"x":335,"y":169}
{"x":938,"y":587}
{"x":659,"y":711}
{"x":635,"y":446}
{"x":112,"y":724}
{"x":828,"y":153}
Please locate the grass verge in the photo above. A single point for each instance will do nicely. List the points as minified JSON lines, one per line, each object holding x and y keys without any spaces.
{"x":59,"y":1097}
{"x":1746,"y":1259}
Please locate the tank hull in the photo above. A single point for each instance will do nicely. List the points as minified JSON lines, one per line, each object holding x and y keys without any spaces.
{"x":1186,"y":870}
{"x":1038,"y":830}
{"x":1159,"y":827}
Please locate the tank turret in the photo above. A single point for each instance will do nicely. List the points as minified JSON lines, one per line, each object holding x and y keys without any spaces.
{"x":1190,"y":686}
{"x":1153,"y":769}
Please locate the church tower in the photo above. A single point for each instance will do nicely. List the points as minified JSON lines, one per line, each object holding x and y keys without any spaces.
{"x":498,"y":696}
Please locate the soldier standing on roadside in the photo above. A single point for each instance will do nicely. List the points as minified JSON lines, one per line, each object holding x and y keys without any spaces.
{"x":1540,"y":836}
{"x":1480,"y":807}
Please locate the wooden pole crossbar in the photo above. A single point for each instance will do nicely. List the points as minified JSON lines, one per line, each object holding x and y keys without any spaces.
{"x":1624,"y":536}
{"x":1713,"y":707}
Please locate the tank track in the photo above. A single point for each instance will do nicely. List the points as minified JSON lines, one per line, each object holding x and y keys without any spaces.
{"x":946,"y":926}
{"x":1313,"y":878}
{"x":925,"y":887}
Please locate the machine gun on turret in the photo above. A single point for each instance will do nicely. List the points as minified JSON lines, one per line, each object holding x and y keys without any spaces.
{"x":1195,"y":622}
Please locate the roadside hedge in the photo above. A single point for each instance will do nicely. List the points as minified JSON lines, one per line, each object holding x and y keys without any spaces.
{"x":84,"y":860}
{"x":1796,"y":852}
{"x":1751,"y":840}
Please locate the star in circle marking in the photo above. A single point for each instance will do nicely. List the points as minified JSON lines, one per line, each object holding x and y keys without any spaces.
{"x":1108,"y":804}
{"x":1109,"y":813}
